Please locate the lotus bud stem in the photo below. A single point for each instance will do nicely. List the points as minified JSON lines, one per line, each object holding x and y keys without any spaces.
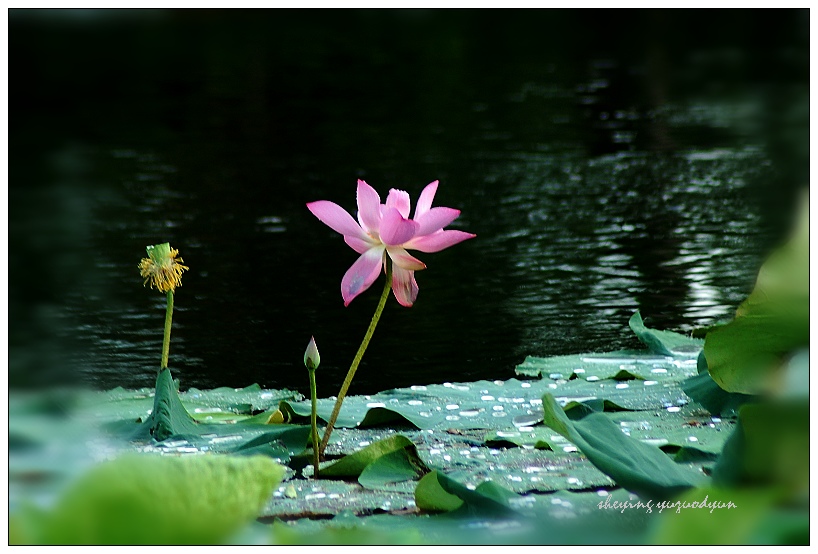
{"x":311,"y":359}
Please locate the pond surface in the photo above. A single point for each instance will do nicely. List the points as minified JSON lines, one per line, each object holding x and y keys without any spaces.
{"x":604,"y":163}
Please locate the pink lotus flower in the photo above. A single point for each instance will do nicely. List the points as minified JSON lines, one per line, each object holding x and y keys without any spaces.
{"x":387,"y":228}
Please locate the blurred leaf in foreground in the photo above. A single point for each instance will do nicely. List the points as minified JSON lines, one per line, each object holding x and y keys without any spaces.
{"x":149,"y":499}
{"x":747,"y":354}
{"x":729,"y":517}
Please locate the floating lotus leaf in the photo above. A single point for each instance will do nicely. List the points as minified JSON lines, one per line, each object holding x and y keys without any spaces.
{"x":668,"y":429}
{"x":628,"y":395}
{"x":437,"y":492}
{"x":634,"y":465}
{"x":395,"y":467}
{"x":278,"y":441}
{"x":477,"y":405}
{"x":211,"y":406}
{"x":665,"y":342}
{"x":620,"y":365}
{"x":299,"y":498}
{"x":668,"y":349}
{"x":386,"y":461}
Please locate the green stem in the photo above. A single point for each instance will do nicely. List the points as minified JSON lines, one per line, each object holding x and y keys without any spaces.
{"x":357,"y":360}
{"x":166,"y":341}
{"x":314,"y":423}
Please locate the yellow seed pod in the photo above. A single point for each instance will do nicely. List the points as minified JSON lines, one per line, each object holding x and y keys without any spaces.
{"x":162,"y":268}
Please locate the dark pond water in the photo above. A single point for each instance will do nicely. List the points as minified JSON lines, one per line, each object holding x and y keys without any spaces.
{"x":605,"y":162}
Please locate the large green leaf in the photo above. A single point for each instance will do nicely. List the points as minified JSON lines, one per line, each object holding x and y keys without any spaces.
{"x":149,"y":499}
{"x":169,"y":419}
{"x":634,"y":465}
{"x":747,"y":354}
{"x":671,"y":431}
{"x":475,"y":405}
{"x":244,"y":400}
{"x":499,"y":404}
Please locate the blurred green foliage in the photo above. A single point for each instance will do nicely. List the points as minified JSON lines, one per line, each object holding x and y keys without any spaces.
{"x":764,"y":467}
{"x":748,"y":354}
{"x":161,"y":500}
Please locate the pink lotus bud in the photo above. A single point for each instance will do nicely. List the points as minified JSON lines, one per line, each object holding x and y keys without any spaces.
{"x":311,"y":357}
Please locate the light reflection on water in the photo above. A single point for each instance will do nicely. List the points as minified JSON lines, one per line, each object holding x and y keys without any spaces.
{"x":564,"y":257}
{"x":567,"y":249}
{"x":584,"y":212}
{"x":600,"y":243}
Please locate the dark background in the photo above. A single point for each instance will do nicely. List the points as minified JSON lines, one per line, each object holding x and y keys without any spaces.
{"x":607,"y":160}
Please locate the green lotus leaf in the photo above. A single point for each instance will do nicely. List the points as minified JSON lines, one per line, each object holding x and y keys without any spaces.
{"x":394,"y":467}
{"x":704,"y":390}
{"x":634,"y":465}
{"x":437,"y":492}
{"x":150,"y":499}
{"x":169,"y":417}
{"x":280,"y":442}
{"x":665,"y":342}
{"x":358,"y":411}
{"x":621,"y":364}
{"x":355,"y":464}
{"x":431,"y":496}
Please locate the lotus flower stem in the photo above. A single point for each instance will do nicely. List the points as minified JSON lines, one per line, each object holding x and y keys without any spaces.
{"x":360,"y":354}
{"x":314,"y":423}
{"x":166,"y":339}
